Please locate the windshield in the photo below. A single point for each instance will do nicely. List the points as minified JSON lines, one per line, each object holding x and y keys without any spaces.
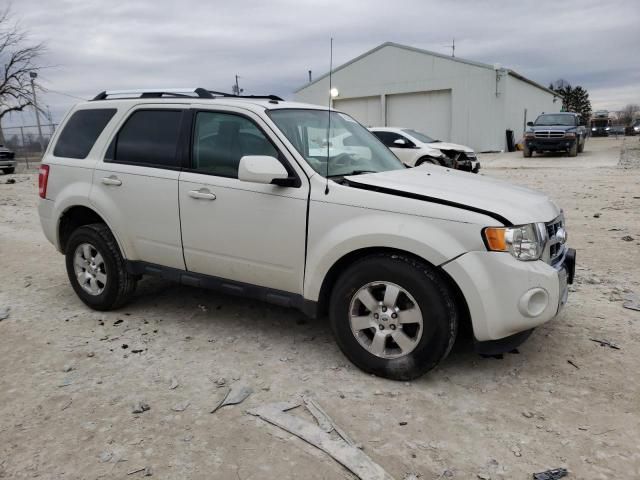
{"x":420,"y":136}
{"x":566,"y":120}
{"x":351,"y":148}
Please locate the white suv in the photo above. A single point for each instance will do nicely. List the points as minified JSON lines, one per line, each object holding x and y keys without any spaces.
{"x":237,"y":194}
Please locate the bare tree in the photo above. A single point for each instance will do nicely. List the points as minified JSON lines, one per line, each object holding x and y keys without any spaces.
{"x":629,"y":113}
{"x":18,"y":59}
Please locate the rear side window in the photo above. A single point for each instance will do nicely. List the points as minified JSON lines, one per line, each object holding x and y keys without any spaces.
{"x":81,"y":131}
{"x":149,"y":137}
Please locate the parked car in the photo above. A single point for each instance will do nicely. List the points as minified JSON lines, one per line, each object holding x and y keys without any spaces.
{"x":415,"y":148}
{"x":600,"y":125}
{"x":7,"y":160}
{"x":234,"y":193}
{"x":616,"y":130}
{"x":633,"y":129}
{"x":555,"y":132}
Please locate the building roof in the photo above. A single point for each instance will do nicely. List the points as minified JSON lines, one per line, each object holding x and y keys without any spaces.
{"x":434,"y":54}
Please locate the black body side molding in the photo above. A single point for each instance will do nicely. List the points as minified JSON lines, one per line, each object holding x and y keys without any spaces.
{"x":425,"y":198}
{"x":270,"y":295}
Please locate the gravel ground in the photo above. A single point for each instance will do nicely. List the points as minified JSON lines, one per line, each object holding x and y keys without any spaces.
{"x":69,"y":376}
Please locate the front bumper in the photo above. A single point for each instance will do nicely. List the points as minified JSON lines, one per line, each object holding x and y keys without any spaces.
{"x":471,"y":165}
{"x":550,"y":144}
{"x":507,"y":296}
{"x":7,"y":163}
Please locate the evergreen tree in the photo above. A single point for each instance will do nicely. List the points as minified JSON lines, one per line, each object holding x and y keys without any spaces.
{"x":573,"y":99}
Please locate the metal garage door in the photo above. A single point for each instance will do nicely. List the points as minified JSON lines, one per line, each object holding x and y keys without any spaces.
{"x":427,"y":112}
{"x":366,"y":110}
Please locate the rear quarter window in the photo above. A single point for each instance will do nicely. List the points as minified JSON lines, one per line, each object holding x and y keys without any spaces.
{"x":81,"y":131}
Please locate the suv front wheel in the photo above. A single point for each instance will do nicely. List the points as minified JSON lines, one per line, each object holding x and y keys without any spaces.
{"x":393,"y":316}
{"x":96,"y":268}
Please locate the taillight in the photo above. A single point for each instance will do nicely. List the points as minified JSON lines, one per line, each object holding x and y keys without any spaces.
{"x":43,"y":178}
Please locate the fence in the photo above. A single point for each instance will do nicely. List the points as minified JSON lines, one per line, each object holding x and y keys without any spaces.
{"x":26,"y":141}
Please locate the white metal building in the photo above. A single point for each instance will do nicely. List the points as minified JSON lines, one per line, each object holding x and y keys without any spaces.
{"x":448,"y":98}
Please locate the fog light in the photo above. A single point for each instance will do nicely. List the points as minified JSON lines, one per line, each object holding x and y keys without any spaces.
{"x":534,"y":302}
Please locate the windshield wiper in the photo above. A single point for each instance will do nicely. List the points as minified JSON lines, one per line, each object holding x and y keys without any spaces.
{"x":354,"y":172}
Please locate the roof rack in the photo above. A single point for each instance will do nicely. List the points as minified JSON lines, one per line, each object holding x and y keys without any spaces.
{"x":175,"y":92}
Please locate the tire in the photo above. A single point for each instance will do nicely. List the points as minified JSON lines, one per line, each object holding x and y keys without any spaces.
{"x":9,"y":170}
{"x":527,"y":152}
{"x":419,"y":283}
{"x":573,"y":151}
{"x":581,"y":147}
{"x":112,"y":284}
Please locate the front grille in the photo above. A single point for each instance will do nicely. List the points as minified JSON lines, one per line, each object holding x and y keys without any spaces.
{"x":555,"y":245}
{"x":6,"y":155}
{"x":549,"y":133}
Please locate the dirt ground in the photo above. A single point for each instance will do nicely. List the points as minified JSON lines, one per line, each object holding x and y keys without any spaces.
{"x":69,"y":376}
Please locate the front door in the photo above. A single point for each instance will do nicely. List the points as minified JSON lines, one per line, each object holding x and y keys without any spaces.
{"x":247,"y":232}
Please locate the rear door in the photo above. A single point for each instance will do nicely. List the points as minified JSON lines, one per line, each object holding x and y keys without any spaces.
{"x":247,"y":232}
{"x":136,"y":186}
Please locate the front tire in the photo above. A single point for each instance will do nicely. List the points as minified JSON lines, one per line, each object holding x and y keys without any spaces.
{"x":393,"y":316}
{"x":573,"y":151}
{"x":527,"y":152}
{"x":96,"y":269}
{"x":581,"y":147}
{"x":9,"y":171}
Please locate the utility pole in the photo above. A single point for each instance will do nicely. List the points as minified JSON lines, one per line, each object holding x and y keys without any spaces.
{"x":453,"y":48}
{"x":236,"y":88}
{"x":33,"y":76}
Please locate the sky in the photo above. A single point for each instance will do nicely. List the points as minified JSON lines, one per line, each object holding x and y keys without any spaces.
{"x":95,"y":45}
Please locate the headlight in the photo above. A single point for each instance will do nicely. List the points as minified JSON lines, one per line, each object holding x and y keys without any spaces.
{"x":524,"y":242}
{"x":637,"y":129}
{"x":570,"y":134}
{"x":608,"y":128}
{"x":593,"y":129}
{"x":529,"y":135}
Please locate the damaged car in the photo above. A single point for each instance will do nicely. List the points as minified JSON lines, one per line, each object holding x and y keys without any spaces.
{"x":414,"y":148}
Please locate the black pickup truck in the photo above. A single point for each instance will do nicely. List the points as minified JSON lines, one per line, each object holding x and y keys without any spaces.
{"x":555,"y":132}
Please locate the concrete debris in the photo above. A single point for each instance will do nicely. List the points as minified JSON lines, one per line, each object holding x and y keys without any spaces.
{"x":237,"y":394}
{"x":67,"y":368}
{"x":628,"y":238}
{"x":181,"y":407}
{"x":173,"y":383}
{"x":527,"y":414}
{"x":631,"y":301}
{"x":105,"y":456}
{"x":605,"y":343}
{"x":325,"y":421}
{"x":221,"y":398}
{"x":554,"y":474}
{"x":484,"y":476}
{"x":411,"y":476}
{"x":516,"y":451}
{"x":4,"y":313}
{"x":347,"y":455}
{"x":148,"y":472}
{"x":140,"y":407}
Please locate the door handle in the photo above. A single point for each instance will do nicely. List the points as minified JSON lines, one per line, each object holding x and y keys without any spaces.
{"x":112,"y":180}
{"x":202,"y":194}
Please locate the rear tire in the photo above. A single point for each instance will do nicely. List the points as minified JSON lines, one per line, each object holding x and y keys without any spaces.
{"x":425,"y":334}
{"x":573,"y":151}
{"x":96,"y":269}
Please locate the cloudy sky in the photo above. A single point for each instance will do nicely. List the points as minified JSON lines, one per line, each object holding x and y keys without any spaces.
{"x":93,"y":45}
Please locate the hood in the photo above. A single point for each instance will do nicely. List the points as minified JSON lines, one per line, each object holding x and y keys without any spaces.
{"x":449,"y":146}
{"x":564,"y":128}
{"x":507,"y":203}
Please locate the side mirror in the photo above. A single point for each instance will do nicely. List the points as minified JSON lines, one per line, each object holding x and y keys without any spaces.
{"x":400,"y":142}
{"x":529,"y":124}
{"x":261,"y":169}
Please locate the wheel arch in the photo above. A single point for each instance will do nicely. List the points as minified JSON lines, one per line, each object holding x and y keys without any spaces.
{"x":77,"y":216}
{"x":345,"y":261}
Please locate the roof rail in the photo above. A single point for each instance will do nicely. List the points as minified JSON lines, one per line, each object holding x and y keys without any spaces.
{"x":175,"y":92}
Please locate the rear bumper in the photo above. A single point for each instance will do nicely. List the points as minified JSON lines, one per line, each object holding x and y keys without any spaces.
{"x":506,"y":296}
{"x":48,"y":221}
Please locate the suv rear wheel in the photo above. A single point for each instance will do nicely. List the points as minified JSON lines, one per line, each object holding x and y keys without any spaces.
{"x":96,"y":268}
{"x":393,"y":316}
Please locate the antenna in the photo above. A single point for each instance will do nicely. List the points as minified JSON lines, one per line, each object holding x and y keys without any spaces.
{"x":326,"y":189}
{"x":453,"y":48}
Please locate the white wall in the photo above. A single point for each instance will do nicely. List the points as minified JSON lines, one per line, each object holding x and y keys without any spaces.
{"x":478,"y":116}
{"x":520,"y":95}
